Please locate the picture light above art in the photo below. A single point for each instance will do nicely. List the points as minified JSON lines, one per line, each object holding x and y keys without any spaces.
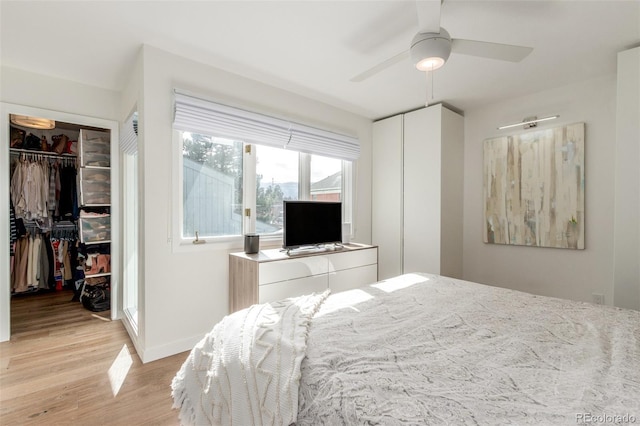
{"x":529,"y":122}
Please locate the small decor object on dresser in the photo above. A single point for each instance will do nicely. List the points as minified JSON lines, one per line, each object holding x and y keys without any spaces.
{"x":534,"y":188}
{"x":251,"y":243}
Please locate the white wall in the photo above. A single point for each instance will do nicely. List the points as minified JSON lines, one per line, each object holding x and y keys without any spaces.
{"x":571,"y":274}
{"x":186,"y":291}
{"x":40,"y":91}
{"x":131,"y":100}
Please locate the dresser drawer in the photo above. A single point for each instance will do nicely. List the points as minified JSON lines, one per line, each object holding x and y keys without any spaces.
{"x":353,"y":278}
{"x":282,"y":270}
{"x":272,"y":275}
{"x":293,"y":288}
{"x":352,"y":259}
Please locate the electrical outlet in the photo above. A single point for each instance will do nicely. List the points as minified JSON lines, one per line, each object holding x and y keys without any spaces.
{"x":598,"y":299}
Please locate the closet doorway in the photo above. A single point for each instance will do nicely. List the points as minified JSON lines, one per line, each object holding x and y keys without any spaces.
{"x":80,"y":148}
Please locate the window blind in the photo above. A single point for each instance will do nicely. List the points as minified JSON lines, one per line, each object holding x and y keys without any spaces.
{"x":197,"y":115}
{"x":129,"y":135}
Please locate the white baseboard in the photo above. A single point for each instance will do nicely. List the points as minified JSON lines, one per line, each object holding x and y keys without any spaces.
{"x":163,"y":351}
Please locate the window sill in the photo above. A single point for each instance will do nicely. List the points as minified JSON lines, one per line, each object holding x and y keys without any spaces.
{"x":235,"y":243}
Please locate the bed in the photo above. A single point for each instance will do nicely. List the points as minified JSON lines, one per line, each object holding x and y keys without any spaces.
{"x":416,"y":349}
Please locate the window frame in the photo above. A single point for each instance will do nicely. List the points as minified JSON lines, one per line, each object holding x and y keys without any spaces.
{"x":236,"y":242}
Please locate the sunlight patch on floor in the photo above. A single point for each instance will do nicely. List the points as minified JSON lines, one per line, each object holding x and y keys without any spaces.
{"x":101,"y":318}
{"x":119,"y":369}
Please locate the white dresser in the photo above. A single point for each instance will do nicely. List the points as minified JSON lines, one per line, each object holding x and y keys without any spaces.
{"x":271,"y":275}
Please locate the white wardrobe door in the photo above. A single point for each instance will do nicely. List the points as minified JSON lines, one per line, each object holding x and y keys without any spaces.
{"x":422,"y":188}
{"x":452,"y":194}
{"x":387,"y":195}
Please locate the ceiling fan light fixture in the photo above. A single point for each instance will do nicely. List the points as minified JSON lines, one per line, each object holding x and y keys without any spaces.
{"x":430,"y":64}
{"x":429,"y":51}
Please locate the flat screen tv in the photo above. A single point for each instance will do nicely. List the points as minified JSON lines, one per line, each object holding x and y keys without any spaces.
{"x":308,"y":223}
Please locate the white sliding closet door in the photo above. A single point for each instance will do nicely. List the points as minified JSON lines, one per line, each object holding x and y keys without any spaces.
{"x":418,"y":160}
{"x":451,"y":193}
{"x":387,"y":195}
{"x":422,"y":189}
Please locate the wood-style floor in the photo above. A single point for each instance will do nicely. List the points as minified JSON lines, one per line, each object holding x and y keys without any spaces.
{"x":63,"y":365}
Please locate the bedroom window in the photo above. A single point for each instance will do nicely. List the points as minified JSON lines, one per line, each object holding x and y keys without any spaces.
{"x":131,"y":219}
{"x":214,"y":198}
{"x":235,"y":168}
{"x":326,"y":179}
{"x":277,"y":179}
{"x":212,"y":173}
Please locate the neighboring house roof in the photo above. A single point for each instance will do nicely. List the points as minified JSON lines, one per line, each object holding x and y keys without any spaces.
{"x":330,"y":184}
{"x":209,"y":198}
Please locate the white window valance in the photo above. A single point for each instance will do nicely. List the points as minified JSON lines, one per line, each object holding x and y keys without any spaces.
{"x":193,"y":114}
{"x":129,"y":135}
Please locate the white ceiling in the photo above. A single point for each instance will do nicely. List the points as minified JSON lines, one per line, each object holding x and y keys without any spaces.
{"x":313,"y":48}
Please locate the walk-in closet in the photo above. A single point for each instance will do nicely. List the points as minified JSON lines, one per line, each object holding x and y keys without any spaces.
{"x":59,"y":212}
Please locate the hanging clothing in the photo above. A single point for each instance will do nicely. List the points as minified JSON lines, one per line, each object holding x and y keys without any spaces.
{"x":66,"y":262}
{"x":33,"y":261}
{"x":40,"y":190}
{"x":68,"y":201}
{"x":57,"y":263}
{"x":30,"y":189}
{"x":13,"y":229}
{"x":51,"y":282}
{"x":54,"y":190}
{"x":43,"y":267}
{"x":19,"y":277}
{"x":44,"y":254}
{"x":58,"y":189}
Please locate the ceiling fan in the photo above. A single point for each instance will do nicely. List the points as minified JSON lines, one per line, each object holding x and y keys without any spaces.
{"x":432,"y":45}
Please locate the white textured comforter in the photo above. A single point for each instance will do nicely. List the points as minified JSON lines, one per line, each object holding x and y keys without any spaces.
{"x":423,"y":349}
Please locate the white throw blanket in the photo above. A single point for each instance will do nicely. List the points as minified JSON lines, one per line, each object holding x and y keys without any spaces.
{"x":246,"y":371}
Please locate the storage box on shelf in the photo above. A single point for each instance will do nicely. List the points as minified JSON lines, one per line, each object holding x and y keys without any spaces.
{"x":95,"y":149}
{"x":95,"y":173}
{"x":95,"y":199}
{"x":95,"y":186}
{"x":95,"y":230}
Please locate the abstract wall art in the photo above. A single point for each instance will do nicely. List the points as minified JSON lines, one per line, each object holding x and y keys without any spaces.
{"x":534,"y":188}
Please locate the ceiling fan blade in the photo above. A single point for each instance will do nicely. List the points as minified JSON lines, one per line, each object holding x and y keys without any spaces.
{"x":429,"y":15}
{"x":381,"y":66}
{"x":485,"y":49}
